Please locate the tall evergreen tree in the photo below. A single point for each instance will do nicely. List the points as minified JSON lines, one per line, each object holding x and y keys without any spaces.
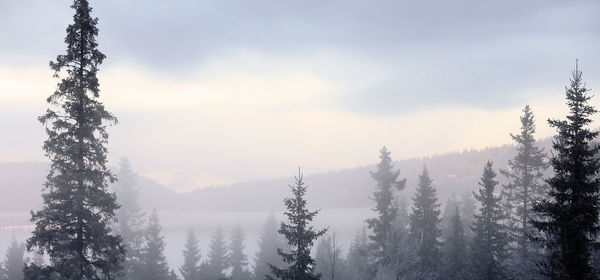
{"x":154,"y":263}
{"x":490,"y":241}
{"x":449,"y":211}
{"x":569,"y":218}
{"x":526,"y":186}
{"x":300,"y":235}
{"x":424,"y":225}
{"x":358,"y":257}
{"x":268,"y":243}
{"x":383,"y":232}
{"x":237,"y":258}
{"x":455,"y":264}
{"x":73,"y":226}
{"x":130,"y":220}
{"x":214,"y":268}
{"x":468,"y":207}
{"x":14,"y":261}
{"x":190,"y":270}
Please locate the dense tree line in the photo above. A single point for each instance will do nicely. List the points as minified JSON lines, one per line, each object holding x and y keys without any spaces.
{"x":532,"y":227}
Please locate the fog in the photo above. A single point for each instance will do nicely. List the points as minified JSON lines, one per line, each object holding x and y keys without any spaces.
{"x":328,"y":139}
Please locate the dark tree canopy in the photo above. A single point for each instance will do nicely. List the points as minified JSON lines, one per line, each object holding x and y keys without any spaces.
{"x":424,"y":224}
{"x":74,"y":225}
{"x":214,"y":268}
{"x":490,"y":238}
{"x":237,"y":258}
{"x":455,"y":264}
{"x":190,"y":270}
{"x":383,"y":232}
{"x":154,"y":262}
{"x":300,"y":235}
{"x":569,"y":218}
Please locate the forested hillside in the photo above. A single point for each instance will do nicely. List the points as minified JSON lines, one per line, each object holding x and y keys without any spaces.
{"x":454,"y":172}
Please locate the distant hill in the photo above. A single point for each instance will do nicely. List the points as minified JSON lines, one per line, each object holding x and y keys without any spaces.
{"x":457,"y":172}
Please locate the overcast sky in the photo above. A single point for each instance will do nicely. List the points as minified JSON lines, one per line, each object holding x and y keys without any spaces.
{"x":214,"y":92}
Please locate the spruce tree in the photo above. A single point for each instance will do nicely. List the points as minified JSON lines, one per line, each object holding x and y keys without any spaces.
{"x":74,"y":225}
{"x":490,"y":241}
{"x":154,"y":263}
{"x":190,"y":270}
{"x":268,"y":243}
{"x":383,"y":232}
{"x":14,"y":261}
{"x":214,"y":267}
{"x":300,"y":235}
{"x":237,"y":258}
{"x":130,"y":220}
{"x":358,"y":257}
{"x":455,"y":264}
{"x":569,"y":218}
{"x":448,"y":214}
{"x":468,"y":208}
{"x":526,"y":186}
{"x":424,"y":225}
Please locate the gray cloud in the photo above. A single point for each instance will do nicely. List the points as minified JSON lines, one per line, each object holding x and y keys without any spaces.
{"x":467,"y":52}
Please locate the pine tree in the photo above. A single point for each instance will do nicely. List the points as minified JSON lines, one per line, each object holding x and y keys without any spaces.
{"x":449,"y":210}
{"x":455,"y":264}
{"x":130,"y":220}
{"x":526,"y":186}
{"x":490,"y":240}
{"x":424,"y":225}
{"x":214,"y":267}
{"x":154,"y":263}
{"x":358,"y":257}
{"x":569,"y":218}
{"x":468,"y":213}
{"x":237,"y":259}
{"x":190,"y":270}
{"x":267,"y":249}
{"x":73,"y":226}
{"x":14,"y":261}
{"x":300,"y":236}
{"x":382,"y":226}
{"x":330,"y":263}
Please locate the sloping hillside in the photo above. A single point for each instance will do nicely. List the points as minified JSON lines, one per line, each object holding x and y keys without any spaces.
{"x":456,"y":172}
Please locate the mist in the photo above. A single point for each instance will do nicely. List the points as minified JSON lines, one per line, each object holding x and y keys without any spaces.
{"x":335,"y":140}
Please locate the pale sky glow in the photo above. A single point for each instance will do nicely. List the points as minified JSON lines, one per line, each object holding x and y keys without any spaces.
{"x":254,"y":96}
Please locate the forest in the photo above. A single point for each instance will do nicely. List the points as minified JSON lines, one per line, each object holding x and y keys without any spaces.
{"x":533,"y":214}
